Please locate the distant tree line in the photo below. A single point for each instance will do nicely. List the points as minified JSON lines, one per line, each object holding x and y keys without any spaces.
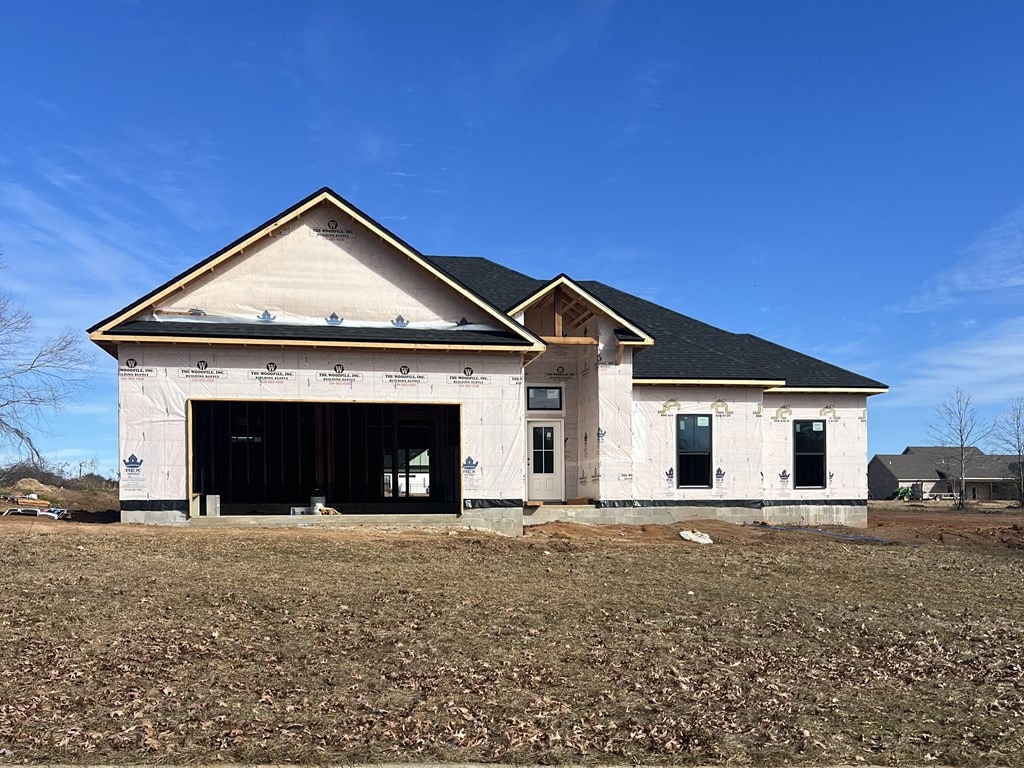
{"x":78,"y":476}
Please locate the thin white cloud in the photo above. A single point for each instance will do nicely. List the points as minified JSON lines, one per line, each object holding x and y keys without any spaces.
{"x":48,"y":106}
{"x":49,"y":246}
{"x":989,"y":366}
{"x":649,"y":89}
{"x":533,"y":49}
{"x":106,"y":409}
{"x":994,"y":262}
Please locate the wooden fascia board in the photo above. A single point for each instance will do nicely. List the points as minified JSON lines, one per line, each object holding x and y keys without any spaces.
{"x":569,"y":340}
{"x":564,"y":281}
{"x":368,"y":223}
{"x":710,"y":383}
{"x":828,"y":390}
{"x":646,"y":342}
{"x":103,"y":339}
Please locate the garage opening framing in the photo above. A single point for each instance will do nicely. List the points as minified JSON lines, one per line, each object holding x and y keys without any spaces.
{"x":265,"y":457}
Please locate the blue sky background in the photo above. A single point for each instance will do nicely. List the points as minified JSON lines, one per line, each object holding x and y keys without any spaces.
{"x":844,"y":178}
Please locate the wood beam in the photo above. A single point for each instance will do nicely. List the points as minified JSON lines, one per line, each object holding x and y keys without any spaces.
{"x":569,"y":340}
{"x":557,"y":296}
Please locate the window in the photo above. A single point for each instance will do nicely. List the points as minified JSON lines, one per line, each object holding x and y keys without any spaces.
{"x":544,"y":398}
{"x":808,"y":454}
{"x":693,"y":445}
{"x":543,"y":450}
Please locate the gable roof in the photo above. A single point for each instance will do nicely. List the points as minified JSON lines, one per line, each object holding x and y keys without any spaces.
{"x":940,"y":452}
{"x":908,"y":467}
{"x":685,"y":349}
{"x":125,"y":325}
{"x":628,"y":334}
{"x":939,"y":462}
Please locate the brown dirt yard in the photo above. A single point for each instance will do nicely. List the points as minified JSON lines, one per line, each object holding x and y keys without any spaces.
{"x":574,"y":644}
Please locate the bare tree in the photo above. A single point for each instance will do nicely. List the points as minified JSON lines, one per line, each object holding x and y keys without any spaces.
{"x":37,"y":376}
{"x":1008,"y":437}
{"x":956,"y":426}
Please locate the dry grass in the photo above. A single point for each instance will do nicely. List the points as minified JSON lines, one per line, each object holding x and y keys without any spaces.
{"x":124,"y":645}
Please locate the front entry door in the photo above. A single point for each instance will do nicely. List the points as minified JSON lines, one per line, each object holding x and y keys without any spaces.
{"x":545,"y":462}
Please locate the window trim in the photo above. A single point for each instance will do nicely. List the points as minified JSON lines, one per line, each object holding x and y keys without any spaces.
{"x":823,"y":452}
{"x":708,"y":452}
{"x":561,"y":399}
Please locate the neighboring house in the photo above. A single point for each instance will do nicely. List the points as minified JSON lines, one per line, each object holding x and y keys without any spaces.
{"x":321,"y":352}
{"x":934,"y":472}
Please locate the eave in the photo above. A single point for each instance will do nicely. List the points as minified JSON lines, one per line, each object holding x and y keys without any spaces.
{"x":829,"y":390}
{"x":709,"y":382}
{"x":109,"y":342}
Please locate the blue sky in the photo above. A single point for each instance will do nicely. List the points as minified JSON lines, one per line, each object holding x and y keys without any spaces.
{"x":844,"y":178}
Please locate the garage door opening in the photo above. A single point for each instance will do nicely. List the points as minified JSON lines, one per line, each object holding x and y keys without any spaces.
{"x":267,"y":457}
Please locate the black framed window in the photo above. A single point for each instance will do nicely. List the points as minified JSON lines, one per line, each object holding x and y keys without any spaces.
{"x":693,"y":447}
{"x":809,"y":454}
{"x":544,"y":398}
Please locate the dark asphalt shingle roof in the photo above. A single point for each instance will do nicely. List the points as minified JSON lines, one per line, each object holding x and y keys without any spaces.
{"x":907,"y":467}
{"x":339,"y":333}
{"x":936,"y":462}
{"x":497,"y":284}
{"x":684,"y":348}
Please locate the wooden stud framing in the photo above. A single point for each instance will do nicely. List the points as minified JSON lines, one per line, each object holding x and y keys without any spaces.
{"x":585,"y":300}
{"x":557,"y":299}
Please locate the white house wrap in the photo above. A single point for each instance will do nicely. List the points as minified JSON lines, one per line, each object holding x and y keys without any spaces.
{"x":320,"y":355}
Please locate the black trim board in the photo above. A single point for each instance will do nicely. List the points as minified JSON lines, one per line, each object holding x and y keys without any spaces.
{"x":815,"y":502}
{"x":491,"y":503}
{"x":154,"y":505}
{"x":729,"y":503}
{"x":246,"y":332}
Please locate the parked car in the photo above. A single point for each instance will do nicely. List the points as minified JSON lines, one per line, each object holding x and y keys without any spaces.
{"x":21,"y":511}
{"x":56,"y":513}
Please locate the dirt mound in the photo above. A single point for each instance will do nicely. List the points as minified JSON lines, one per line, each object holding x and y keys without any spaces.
{"x":69,"y":498}
{"x":31,"y":485}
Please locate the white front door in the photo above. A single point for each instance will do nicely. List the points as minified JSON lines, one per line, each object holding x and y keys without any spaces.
{"x":545,"y":462}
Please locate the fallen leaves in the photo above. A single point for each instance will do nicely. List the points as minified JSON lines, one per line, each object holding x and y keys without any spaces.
{"x":214,"y":648}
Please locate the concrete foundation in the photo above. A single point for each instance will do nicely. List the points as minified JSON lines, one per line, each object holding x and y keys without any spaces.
{"x":507,"y":521}
{"x":811,"y":515}
{"x":153,"y":517}
{"x":510,"y":521}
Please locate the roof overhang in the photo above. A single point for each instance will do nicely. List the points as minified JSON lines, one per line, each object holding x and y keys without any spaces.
{"x":829,"y":390}
{"x":643,"y":339}
{"x":108,"y":344}
{"x":709,"y":382}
